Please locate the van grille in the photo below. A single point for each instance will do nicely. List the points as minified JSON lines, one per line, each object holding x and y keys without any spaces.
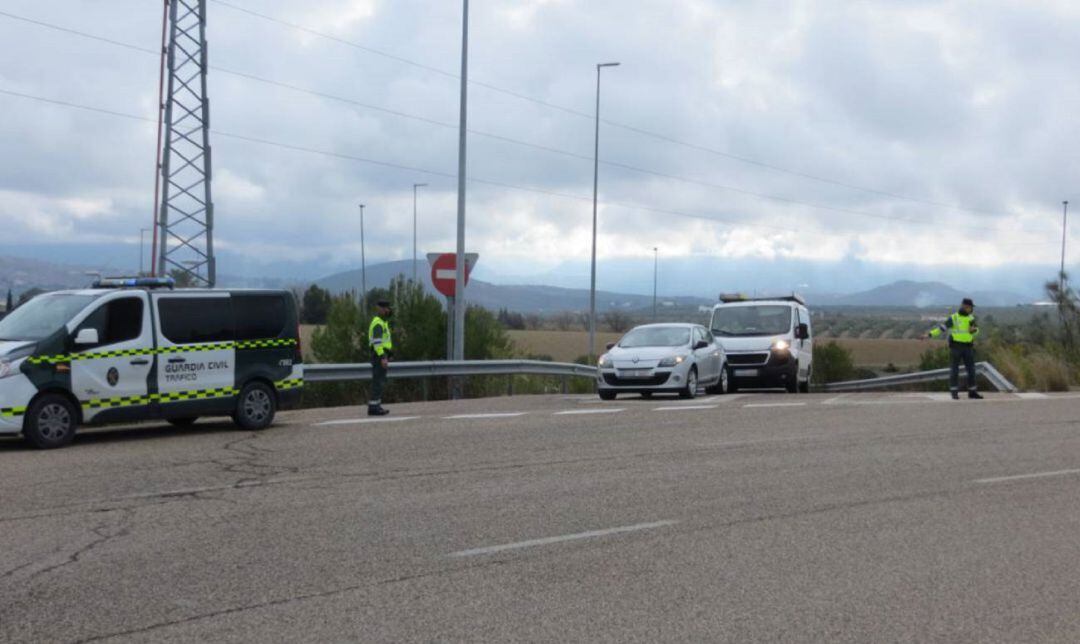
{"x":757,"y":359}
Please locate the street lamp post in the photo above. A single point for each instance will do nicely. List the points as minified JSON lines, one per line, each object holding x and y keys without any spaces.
{"x":363,"y":264}
{"x":655,"y":270}
{"x":1064,"y":224}
{"x":459,"y":276}
{"x":414,"y":187}
{"x":596,"y":182}
{"x":142,"y":232}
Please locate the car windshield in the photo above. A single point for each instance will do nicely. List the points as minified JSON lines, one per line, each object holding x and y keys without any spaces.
{"x":42,"y":316}
{"x":656,"y":336}
{"x":751,"y":320}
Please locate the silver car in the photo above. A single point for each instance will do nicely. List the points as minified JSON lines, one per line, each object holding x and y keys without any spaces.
{"x":663,"y":358}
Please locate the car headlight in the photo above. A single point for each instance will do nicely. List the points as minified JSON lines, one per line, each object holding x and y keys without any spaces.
{"x":672,"y":361}
{"x":781,"y":345}
{"x":9,"y":364}
{"x":604,"y":361}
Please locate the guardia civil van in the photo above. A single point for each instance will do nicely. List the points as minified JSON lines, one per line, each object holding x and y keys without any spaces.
{"x":133,"y":349}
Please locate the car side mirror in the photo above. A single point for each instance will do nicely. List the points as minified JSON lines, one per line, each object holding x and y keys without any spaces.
{"x":610,"y":346}
{"x":87,"y":336}
{"x":802,"y":332}
{"x":700,"y":344}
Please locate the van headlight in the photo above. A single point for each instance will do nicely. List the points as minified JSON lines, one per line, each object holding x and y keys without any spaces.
{"x":604,"y":361}
{"x":781,"y":345}
{"x":671,"y":361}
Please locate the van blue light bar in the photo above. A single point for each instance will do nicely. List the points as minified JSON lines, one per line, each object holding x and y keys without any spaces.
{"x":135,"y":282}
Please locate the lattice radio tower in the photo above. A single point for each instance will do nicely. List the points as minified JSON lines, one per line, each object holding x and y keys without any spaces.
{"x":186,"y":216}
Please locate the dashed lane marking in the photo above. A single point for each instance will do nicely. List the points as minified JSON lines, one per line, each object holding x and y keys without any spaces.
{"x":1032,"y":396}
{"x":364,"y":421}
{"x":783,"y":404}
{"x":591,"y":534}
{"x":579,"y":412}
{"x":510,"y":414}
{"x":835,"y":399}
{"x":681,"y":407}
{"x":1019,"y":477}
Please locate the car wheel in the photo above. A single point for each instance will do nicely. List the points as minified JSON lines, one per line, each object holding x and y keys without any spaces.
{"x":183,"y":422}
{"x":690,"y":390}
{"x":804,"y":387}
{"x":255,"y":407}
{"x":607,"y":395}
{"x":722,"y":385}
{"x":50,"y":422}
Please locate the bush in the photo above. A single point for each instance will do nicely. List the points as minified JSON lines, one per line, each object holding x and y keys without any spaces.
{"x":832,"y":363}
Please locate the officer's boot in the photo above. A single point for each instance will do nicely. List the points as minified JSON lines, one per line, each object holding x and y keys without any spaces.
{"x":956,"y":395}
{"x":376,"y":410}
{"x":974,"y":395}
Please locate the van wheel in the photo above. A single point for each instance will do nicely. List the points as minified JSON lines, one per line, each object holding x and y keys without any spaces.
{"x":607,"y":395}
{"x":50,"y":422}
{"x":255,"y":407}
{"x":183,"y":422}
{"x":804,"y":387}
{"x":690,"y":390}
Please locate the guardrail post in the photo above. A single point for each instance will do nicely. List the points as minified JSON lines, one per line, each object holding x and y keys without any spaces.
{"x":424,"y":389}
{"x":565,"y":385}
{"x":509,"y":384}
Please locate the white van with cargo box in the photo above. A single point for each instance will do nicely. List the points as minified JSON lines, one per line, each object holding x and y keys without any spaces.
{"x":767,"y":341}
{"x":134,"y":349}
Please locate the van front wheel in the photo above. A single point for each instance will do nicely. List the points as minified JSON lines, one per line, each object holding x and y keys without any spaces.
{"x":256,"y":407}
{"x":50,"y":422}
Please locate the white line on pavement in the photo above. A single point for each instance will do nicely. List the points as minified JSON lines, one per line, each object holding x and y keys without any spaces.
{"x":834,"y":400}
{"x":678,"y":407}
{"x":785,"y":404}
{"x":357,"y":421}
{"x":1017,"y":477}
{"x":511,"y":414}
{"x":577,"y":412}
{"x":592,"y":534}
{"x":1032,"y":396}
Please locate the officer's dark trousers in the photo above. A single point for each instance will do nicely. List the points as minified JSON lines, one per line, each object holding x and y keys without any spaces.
{"x":966,"y":354}
{"x":378,"y":381}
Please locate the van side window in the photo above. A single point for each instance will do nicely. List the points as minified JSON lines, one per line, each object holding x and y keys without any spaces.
{"x":186,"y":320}
{"x":259,"y":316}
{"x":117,"y":321}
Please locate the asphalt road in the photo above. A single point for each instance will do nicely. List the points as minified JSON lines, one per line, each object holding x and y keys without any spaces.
{"x":739,"y":518}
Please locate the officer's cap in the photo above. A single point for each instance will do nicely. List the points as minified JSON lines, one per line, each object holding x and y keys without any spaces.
{"x":967,"y":302}
{"x":383,"y":303}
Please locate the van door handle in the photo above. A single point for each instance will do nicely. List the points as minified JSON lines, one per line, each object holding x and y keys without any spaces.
{"x":140,"y":362}
{"x":177,"y":360}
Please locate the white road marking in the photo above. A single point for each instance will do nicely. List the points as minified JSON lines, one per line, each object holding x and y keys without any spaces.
{"x":783,"y":404}
{"x":1032,"y":396}
{"x":575,"y":412}
{"x":358,"y":421}
{"x":1018,"y":477}
{"x":678,"y":407}
{"x":511,"y":414}
{"x":834,"y":400}
{"x":591,"y":534}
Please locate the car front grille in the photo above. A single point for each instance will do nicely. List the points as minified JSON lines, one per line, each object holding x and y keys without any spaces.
{"x":648,"y":381}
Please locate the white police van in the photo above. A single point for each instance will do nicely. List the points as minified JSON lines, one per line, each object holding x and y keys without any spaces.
{"x":132,"y":349}
{"x":768,"y":341}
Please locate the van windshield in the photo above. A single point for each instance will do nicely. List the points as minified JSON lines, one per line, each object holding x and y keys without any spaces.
{"x":42,"y":316}
{"x":751,"y":320}
{"x":656,"y":336}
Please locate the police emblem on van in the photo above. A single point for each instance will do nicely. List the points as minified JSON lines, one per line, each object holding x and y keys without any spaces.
{"x":113,"y":377}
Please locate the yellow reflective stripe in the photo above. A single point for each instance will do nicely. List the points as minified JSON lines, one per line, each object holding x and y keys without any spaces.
{"x":291,"y":383}
{"x":11,"y":412}
{"x":183,"y":348}
{"x":172,"y":396}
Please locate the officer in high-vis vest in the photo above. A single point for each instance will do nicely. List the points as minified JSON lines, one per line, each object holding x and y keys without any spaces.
{"x":962,"y":331}
{"x":382,"y":350}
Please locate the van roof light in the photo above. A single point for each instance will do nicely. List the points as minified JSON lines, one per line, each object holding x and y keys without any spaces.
{"x":135,"y":282}
{"x":727,"y":298}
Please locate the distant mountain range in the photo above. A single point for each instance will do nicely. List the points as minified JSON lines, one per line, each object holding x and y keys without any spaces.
{"x":21,"y":274}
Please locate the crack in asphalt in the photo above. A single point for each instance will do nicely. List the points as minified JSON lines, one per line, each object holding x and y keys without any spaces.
{"x":104,"y":532}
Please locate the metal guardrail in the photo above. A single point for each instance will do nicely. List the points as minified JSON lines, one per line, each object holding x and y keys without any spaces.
{"x":345,"y":372}
{"x":1000,"y":382}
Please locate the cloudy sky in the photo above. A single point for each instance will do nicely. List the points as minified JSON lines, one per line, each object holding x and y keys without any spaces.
{"x":894,"y":134}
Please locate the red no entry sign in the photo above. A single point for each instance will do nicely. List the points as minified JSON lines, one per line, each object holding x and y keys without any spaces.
{"x":444,"y":271}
